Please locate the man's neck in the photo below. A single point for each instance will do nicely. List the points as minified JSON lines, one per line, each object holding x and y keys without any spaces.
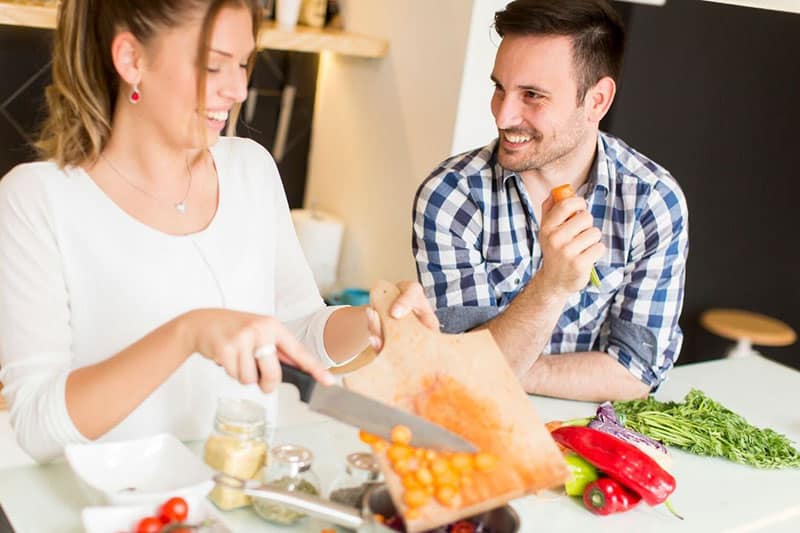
{"x":573,"y":168}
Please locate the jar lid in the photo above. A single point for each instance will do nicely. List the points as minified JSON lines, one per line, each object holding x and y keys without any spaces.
{"x":239,"y":417}
{"x":297,"y":457}
{"x":365,"y":463}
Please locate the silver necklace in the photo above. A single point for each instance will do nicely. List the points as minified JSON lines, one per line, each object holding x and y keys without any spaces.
{"x":180,"y":206}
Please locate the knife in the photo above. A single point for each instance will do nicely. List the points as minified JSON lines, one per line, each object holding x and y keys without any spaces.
{"x":370,"y":415}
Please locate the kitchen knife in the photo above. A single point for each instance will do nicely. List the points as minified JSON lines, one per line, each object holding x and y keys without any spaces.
{"x":370,"y":415}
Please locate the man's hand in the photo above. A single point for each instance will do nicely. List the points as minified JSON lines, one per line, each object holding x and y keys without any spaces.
{"x":570,"y":245}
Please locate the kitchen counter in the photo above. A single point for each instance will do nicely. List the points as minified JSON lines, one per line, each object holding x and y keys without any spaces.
{"x":713,"y":494}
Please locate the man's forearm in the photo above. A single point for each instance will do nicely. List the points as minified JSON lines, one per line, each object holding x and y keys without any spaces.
{"x":524,"y":328}
{"x":587,"y":376}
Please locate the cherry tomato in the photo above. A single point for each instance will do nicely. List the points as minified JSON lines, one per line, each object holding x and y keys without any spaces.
{"x":174,"y":510}
{"x":151,"y":524}
{"x":463,"y":527}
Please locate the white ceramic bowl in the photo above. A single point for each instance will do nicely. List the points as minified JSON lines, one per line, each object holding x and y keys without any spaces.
{"x":148,"y":470}
{"x":120,"y":518}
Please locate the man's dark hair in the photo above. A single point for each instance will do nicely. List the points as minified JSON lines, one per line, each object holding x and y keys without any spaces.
{"x":598,"y":36}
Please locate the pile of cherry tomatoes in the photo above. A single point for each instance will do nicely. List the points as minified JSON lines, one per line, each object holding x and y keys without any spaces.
{"x":170,"y":517}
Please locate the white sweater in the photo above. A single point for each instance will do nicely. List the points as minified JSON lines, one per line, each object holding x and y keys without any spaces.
{"x":80,"y":280}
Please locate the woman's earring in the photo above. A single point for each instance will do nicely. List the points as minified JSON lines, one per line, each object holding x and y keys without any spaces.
{"x":135,"y":95}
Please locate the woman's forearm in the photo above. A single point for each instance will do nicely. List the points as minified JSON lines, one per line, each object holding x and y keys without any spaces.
{"x":346,"y":333}
{"x":101,"y":395}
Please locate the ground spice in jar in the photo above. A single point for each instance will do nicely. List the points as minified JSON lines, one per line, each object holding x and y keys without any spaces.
{"x":236,"y":447}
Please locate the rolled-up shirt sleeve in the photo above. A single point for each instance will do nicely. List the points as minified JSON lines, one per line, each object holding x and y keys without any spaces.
{"x":35,"y":335}
{"x":644,"y":335}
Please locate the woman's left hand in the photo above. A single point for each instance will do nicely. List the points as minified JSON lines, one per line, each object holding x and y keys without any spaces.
{"x":411,"y":300}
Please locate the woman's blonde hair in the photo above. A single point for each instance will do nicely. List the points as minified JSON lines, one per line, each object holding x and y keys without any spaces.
{"x":83,"y":94}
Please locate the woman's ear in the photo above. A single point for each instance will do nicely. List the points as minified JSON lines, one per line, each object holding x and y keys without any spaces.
{"x":599,"y":98}
{"x":126,"y":54}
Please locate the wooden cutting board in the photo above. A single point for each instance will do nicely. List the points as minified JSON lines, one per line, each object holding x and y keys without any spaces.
{"x":461,"y":382}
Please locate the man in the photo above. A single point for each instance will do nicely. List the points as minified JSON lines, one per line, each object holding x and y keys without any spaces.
{"x":493,"y":249}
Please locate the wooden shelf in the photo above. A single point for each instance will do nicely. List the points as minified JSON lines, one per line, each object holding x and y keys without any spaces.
{"x":300,"y":39}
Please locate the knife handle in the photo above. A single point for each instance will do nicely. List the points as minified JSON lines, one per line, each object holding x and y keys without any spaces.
{"x":302,"y":380}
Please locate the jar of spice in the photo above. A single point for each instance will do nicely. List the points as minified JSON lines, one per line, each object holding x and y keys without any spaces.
{"x":289,"y":469}
{"x":361,"y":471}
{"x":236,"y":447}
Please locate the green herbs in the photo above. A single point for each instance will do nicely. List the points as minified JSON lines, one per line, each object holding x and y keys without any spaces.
{"x":705,"y":427}
{"x":277,"y":513}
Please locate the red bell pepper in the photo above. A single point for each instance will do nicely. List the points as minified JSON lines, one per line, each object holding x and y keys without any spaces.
{"x":619,"y":460}
{"x":606,"y":496}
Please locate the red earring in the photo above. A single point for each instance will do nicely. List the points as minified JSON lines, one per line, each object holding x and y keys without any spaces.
{"x":135,"y":95}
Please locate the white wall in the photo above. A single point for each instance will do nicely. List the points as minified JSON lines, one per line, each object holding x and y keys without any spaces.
{"x":381,"y":125}
{"x":474,"y":123}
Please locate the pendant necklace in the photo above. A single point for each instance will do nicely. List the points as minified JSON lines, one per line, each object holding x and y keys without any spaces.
{"x":180,"y":206}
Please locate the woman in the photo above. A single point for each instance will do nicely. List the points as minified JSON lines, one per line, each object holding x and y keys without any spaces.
{"x":147,"y":248}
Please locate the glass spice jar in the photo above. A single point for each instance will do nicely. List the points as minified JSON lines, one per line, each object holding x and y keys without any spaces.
{"x":289,"y":469}
{"x":236,"y":447}
{"x":361,"y":471}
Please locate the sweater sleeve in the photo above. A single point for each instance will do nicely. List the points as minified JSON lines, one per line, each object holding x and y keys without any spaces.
{"x":35,"y":334}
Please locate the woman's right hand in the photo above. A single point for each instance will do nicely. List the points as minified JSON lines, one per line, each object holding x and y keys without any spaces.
{"x":232,"y":339}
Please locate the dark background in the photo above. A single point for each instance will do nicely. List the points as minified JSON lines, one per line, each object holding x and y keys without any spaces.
{"x":25,"y":56}
{"x":709,"y":91}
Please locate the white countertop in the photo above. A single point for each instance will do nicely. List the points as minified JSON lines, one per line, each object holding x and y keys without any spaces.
{"x":713,"y":494}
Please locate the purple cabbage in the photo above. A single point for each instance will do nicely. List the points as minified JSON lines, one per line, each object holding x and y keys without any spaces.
{"x":607,"y":421}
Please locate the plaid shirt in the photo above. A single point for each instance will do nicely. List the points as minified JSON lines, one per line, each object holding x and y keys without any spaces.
{"x":475,"y":243}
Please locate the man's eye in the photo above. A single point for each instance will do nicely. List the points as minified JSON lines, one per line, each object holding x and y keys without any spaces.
{"x":532,"y":95}
{"x":212,"y":69}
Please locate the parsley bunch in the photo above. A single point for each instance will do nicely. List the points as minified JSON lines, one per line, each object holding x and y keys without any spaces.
{"x":703,"y":426}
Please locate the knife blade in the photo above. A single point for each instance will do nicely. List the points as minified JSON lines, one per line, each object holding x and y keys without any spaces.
{"x":370,"y":415}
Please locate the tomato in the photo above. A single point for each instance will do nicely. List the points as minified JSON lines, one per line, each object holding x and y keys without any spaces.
{"x":463,"y":527}
{"x":174,"y":510}
{"x":151,"y":524}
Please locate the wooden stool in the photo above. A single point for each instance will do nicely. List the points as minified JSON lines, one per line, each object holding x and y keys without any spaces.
{"x":747,"y":329}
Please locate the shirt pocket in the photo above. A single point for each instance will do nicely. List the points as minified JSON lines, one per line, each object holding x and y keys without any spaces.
{"x":507,"y":279}
{"x":595,"y":301}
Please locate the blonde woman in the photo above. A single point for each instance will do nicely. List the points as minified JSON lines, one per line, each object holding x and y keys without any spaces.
{"x":146,"y":248}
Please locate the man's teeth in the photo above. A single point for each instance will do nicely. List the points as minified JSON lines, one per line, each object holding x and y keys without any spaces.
{"x":222,"y":116}
{"x":517,"y":138}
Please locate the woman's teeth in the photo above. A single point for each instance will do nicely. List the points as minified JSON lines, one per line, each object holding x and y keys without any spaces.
{"x":221,"y":116}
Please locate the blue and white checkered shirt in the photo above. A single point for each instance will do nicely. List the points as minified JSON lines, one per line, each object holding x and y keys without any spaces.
{"x":475,"y":243}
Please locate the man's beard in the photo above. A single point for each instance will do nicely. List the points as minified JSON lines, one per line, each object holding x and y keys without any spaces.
{"x":543,"y":151}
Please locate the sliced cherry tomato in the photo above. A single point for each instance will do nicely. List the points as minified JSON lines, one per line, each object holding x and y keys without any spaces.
{"x":174,"y":510}
{"x":151,"y":524}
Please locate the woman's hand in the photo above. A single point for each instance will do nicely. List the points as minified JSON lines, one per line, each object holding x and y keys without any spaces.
{"x":411,"y":300}
{"x":249,"y":346}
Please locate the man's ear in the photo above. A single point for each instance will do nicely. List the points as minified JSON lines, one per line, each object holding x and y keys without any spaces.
{"x":126,"y":54}
{"x":599,"y":98}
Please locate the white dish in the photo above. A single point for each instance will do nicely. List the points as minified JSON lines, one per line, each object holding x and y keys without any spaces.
{"x":124,"y":518}
{"x":148,"y":470}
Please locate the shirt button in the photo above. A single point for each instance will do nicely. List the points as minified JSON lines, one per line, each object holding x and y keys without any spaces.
{"x":516,"y":281}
